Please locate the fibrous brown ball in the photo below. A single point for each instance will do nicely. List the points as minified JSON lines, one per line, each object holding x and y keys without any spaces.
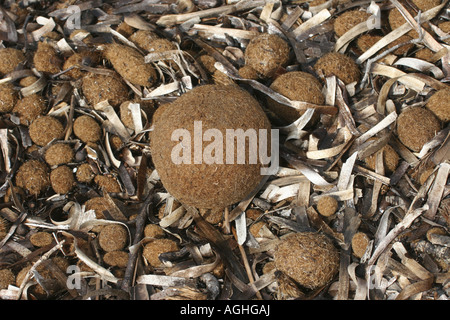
{"x":247,"y":72}
{"x":7,"y":278}
{"x":143,"y":38}
{"x":396,"y":19}
{"x":33,"y":176}
{"x":29,"y":108}
{"x":296,"y":86}
{"x":59,"y":153}
{"x":98,"y":204}
{"x":416,"y":126}
{"x":88,"y":58}
{"x":425,"y":54}
{"x":425,"y":5}
{"x":207,"y":62}
{"x":153,"y":231}
{"x":348,"y":20}
{"x":44,"y":129}
{"x":445,"y":26}
{"x":390,"y":159}
{"x":160,"y":45}
{"x":339,"y":65}
{"x":99,"y":87}
{"x":439,"y":104}
{"x":202,"y":177}
{"x":308,"y":258}
{"x":28,"y":81}
{"x":113,"y":237}
{"x":87,"y":129}
{"x":8,"y":97}
{"x":360,"y":241}
{"x":85,"y":173}
{"x":404,"y":48}
{"x":10,"y":58}
{"x":327,"y":206}
{"x":107,"y":183}
{"x":41,"y":239}
{"x":266,"y":53}
{"x":46,"y":59}
{"x":116,"y":259}
{"x":130,"y":64}
{"x":366,"y":41}
{"x":62,"y":179}
{"x":153,"y":249}
{"x":125,"y":29}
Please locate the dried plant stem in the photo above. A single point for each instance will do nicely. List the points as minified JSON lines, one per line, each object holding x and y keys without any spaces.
{"x":39,"y":262}
{"x":172,"y":19}
{"x":131,"y":265}
{"x":249,"y":271}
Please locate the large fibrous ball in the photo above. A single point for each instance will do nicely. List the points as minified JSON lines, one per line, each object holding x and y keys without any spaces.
{"x":213,"y":183}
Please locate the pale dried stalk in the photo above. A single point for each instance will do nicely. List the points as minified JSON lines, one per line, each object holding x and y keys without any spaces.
{"x":172,"y":19}
{"x":314,"y":21}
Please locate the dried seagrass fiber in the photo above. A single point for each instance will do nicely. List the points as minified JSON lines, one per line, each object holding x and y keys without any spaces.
{"x":208,"y":185}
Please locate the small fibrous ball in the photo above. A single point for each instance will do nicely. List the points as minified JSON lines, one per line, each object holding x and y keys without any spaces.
{"x":87,"y":129}
{"x":98,"y":204}
{"x":296,"y":86}
{"x":416,"y":126}
{"x":62,"y":179}
{"x":7,"y":278}
{"x":403,"y":48}
{"x":33,"y":176}
{"x":130,"y":64}
{"x":439,"y":104}
{"x":390,"y":159}
{"x":247,"y":72}
{"x":46,"y":59}
{"x":107,"y":183}
{"x":59,"y":153}
{"x":153,"y":231}
{"x":348,"y":20}
{"x":85,"y":173}
{"x":308,"y":258}
{"x":28,"y":81}
{"x":113,"y":237}
{"x":160,"y":45}
{"x":445,"y":26}
{"x":29,"y":108}
{"x":213,"y":183}
{"x":327,"y":206}
{"x":266,"y":53}
{"x":366,"y":41}
{"x":10,"y":58}
{"x":88,"y":58}
{"x":143,"y":39}
{"x":99,"y":87}
{"x":116,"y":259}
{"x":339,"y":65}
{"x":4,"y":223}
{"x":425,"y":54}
{"x":41,"y":239}
{"x":396,"y":19}
{"x":360,"y":241}
{"x":8,"y":97}
{"x":44,"y":129}
{"x":153,"y":249}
